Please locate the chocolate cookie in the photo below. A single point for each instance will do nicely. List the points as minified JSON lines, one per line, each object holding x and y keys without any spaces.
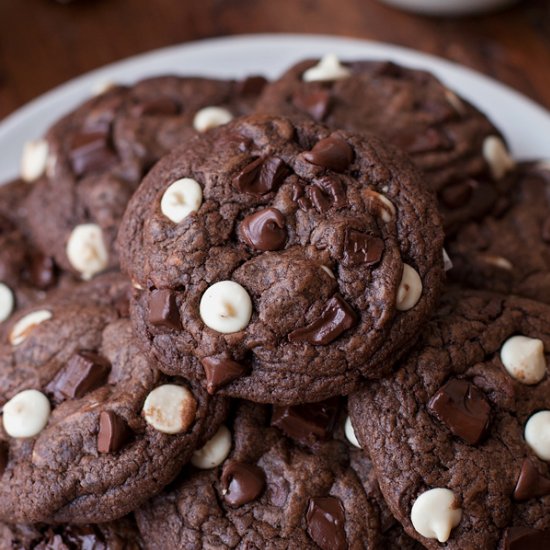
{"x":265,"y":490}
{"x":461,"y":152}
{"x":94,"y":158}
{"x":121,"y":534}
{"x":90,"y":428}
{"x":458,"y":436}
{"x":279,"y":262}
{"x":509,"y":250}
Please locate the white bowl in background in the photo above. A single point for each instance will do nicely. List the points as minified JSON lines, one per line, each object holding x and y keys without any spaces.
{"x":449,"y":7}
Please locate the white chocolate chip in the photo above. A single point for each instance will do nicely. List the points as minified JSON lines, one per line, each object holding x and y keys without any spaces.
{"x":435,"y":513}
{"x":497,"y":157}
{"x":328,"y":271}
{"x":537,"y":434}
{"x":350,"y":433}
{"x":328,"y":68}
{"x":26,"y":414}
{"x":34,"y":159}
{"x":226,"y":307}
{"x":103,"y":86}
{"x":7,"y":302}
{"x":385,"y":207}
{"x":523,"y":358}
{"x":497,"y":261}
{"x":86,"y":250}
{"x":455,"y":102}
{"x":170,"y":409}
{"x":137,"y":286}
{"x":447,"y":263}
{"x":211,"y":117}
{"x":180,"y":199}
{"x":214,"y":452}
{"x":27,"y":324}
{"x":410,"y":289}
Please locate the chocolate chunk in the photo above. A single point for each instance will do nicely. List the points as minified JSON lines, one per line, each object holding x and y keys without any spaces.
{"x":163,"y":309}
{"x":265,"y":230}
{"x":334,"y":188}
{"x":113,"y":434}
{"x":163,"y":106}
{"x":4,"y":455}
{"x":251,"y":85}
{"x":100,"y":119}
{"x":316,"y":103}
{"x":413,"y":141}
{"x":325,"y":523}
{"x":91,"y":152}
{"x":306,"y":423}
{"x":531,"y":484}
{"x":546,"y":231}
{"x":318,"y":198}
{"x":241,"y":483}
{"x":220,"y":371}
{"x":525,"y":538}
{"x":261,"y":176}
{"x":463,"y":408}
{"x":336,"y":318}
{"x":84,"y":372}
{"x":332,"y":152}
{"x":457,"y":195}
{"x":43,"y":271}
{"x":361,"y":248}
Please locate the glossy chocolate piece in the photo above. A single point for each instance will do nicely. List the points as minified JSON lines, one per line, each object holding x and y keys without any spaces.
{"x":265,"y":230}
{"x":332,"y":152}
{"x":113,"y":433}
{"x":163,"y":309}
{"x":325,"y":523}
{"x":220,"y":371}
{"x":241,"y":483}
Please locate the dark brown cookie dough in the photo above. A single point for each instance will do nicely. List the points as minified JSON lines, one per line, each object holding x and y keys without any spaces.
{"x":509,"y":250}
{"x":443,"y":134}
{"x":98,"y":153}
{"x":85,"y":437}
{"x":461,"y":425}
{"x":269,"y":492}
{"x":313,"y":258}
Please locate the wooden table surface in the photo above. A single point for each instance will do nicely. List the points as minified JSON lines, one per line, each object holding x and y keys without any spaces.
{"x":44,"y":43}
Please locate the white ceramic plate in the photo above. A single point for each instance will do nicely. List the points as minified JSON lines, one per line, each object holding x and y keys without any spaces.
{"x":525,"y":124}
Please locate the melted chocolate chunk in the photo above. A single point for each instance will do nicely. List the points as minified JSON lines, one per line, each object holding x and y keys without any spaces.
{"x":463,"y":408}
{"x":163,"y":309}
{"x":91,"y":152}
{"x":84,"y":372}
{"x":336,"y":318}
{"x":220,"y":371}
{"x":325,"y":523}
{"x":265,"y":230}
{"x":251,"y":85}
{"x":241,"y":483}
{"x":261,"y":176}
{"x":316,"y":103}
{"x":163,"y":106}
{"x":332,"y":152}
{"x":333,"y":188}
{"x":113,"y":433}
{"x":361,"y":248}
{"x":457,"y":195}
{"x":531,"y":484}
{"x":525,"y":538}
{"x":309,"y":422}
{"x":43,"y":271}
{"x":432,"y":139}
{"x":4,"y":455}
{"x":318,"y":198}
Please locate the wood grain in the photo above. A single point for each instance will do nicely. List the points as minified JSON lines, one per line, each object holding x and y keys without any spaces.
{"x":44,"y":43}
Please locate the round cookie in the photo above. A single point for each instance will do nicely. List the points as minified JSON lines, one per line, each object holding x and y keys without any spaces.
{"x":458,"y":436}
{"x":90,"y":429}
{"x":93,"y":159}
{"x":509,"y":250}
{"x":304,"y":259}
{"x":267,"y":491}
{"x":461,"y":152}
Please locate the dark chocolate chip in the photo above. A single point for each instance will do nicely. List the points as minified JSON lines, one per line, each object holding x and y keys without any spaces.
{"x":91,"y":152}
{"x":163,"y":309}
{"x":304,"y":203}
{"x":261,"y":176}
{"x":457,"y":194}
{"x":163,"y":106}
{"x":4,"y":455}
{"x":43,"y":271}
{"x":252,"y":85}
{"x":318,"y":198}
{"x":531,"y":484}
{"x":334,"y":188}
{"x":361,"y":248}
{"x":113,"y":434}
{"x":463,"y":408}
{"x":220,"y":371}
{"x":309,"y":422}
{"x":325,"y":523}
{"x":525,"y":538}
{"x":265,"y":230}
{"x":546,"y":231}
{"x":336,"y":318}
{"x":84,"y":372}
{"x":316,"y":103}
{"x":241,"y":483}
{"x":332,"y":152}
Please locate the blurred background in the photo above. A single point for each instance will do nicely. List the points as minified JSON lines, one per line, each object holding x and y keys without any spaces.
{"x":43,"y":43}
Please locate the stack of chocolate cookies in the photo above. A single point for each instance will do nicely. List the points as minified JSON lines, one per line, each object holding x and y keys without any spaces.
{"x":310,"y":313}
